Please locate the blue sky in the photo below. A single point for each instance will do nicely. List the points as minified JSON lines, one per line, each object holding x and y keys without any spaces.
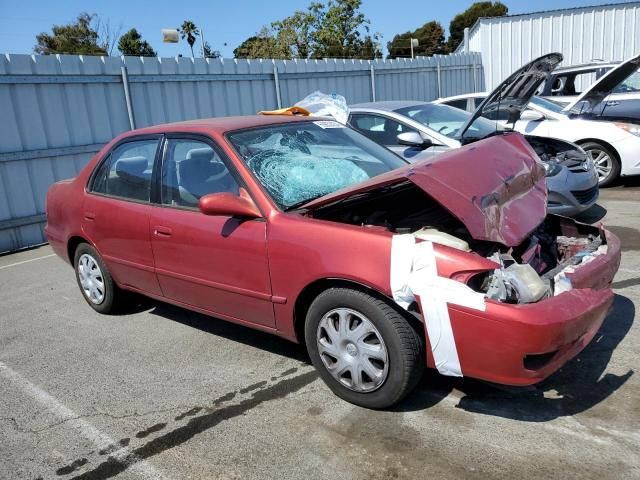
{"x":227,"y":21}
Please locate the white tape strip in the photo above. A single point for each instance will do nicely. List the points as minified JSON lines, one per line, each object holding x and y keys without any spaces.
{"x":414,"y":275}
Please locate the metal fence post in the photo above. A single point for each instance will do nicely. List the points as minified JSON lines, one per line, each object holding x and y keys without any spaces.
{"x":475,"y":83}
{"x":127,"y":97}
{"x":373,"y":84}
{"x":276,"y":79}
{"x":439,"y":80}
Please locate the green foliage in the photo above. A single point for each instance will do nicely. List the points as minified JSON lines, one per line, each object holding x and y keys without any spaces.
{"x":334,"y":29}
{"x":469,"y":17}
{"x":261,"y":45}
{"x":189,"y":31}
{"x":430,"y":38}
{"x":80,"y":37}
{"x":131,"y":43}
{"x":209,"y":52}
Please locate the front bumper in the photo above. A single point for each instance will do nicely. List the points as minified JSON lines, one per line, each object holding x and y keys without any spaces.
{"x":571,"y":193}
{"x":495,"y":344}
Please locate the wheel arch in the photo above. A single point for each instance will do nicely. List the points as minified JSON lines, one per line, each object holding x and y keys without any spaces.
{"x":601,"y":142}
{"x":72,"y":245}
{"x":315,"y":288}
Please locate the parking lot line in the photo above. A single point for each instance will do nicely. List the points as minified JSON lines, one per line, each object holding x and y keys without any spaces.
{"x":141,"y":467}
{"x":27,"y":261}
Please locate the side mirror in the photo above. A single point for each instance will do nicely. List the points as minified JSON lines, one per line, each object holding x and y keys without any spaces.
{"x":228,"y":205}
{"x":414,"y":139}
{"x":531,"y":116}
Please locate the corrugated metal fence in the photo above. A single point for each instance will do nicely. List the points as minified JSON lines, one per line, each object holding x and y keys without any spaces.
{"x":56,"y":111}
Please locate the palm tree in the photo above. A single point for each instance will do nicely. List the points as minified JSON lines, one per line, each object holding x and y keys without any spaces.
{"x":190,"y":31}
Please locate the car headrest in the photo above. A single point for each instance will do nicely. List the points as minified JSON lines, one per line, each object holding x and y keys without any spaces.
{"x":131,"y":169}
{"x":200,"y":154}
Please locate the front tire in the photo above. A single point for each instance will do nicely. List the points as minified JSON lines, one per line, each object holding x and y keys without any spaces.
{"x":365,"y":350}
{"x":606,"y":162}
{"x":94,"y":279}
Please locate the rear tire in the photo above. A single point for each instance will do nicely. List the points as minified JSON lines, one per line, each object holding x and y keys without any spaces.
{"x":365,"y":350}
{"x":94,"y":279}
{"x":606,"y":162}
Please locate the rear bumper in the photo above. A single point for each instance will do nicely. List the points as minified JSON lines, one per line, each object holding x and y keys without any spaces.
{"x":524,"y":344}
{"x":57,"y":244}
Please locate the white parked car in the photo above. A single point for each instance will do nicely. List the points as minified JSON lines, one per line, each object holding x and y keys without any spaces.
{"x":570,"y":85}
{"x":614,"y":146}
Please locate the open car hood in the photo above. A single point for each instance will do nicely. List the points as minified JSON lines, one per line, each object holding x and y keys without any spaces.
{"x":495,"y":187}
{"x":514,"y":93}
{"x":599,"y":90}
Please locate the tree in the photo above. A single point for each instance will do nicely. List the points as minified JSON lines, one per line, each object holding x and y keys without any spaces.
{"x":261,"y":45}
{"x":469,"y":17}
{"x":430,"y":38}
{"x":338,"y":32}
{"x":335,"y":29}
{"x":370,"y":49}
{"x":208,"y":52}
{"x":80,"y":37}
{"x":189,"y":31}
{"x":295,"y":33}
{"x":131,"y":43}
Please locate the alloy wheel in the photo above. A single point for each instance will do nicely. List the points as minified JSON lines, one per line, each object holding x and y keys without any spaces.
{"x":602,"y":162}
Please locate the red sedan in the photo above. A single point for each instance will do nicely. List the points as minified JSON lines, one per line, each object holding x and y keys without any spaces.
{"x":305,"y":228}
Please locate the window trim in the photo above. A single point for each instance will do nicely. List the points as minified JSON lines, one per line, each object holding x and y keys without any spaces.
{"x":135,"y":138}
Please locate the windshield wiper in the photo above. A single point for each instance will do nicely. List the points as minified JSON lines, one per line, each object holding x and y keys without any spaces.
{"x":301,"y":203}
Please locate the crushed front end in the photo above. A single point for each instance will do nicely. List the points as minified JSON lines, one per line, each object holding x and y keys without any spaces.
{"x":545,"y":302}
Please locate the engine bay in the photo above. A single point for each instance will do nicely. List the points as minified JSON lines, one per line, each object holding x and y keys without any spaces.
{"x":529,"y":272}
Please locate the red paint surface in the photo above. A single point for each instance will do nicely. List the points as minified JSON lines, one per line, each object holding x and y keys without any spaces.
{"x":252,"y":271}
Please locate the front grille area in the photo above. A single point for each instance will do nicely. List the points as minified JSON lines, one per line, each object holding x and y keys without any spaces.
{"x":585,"y":196}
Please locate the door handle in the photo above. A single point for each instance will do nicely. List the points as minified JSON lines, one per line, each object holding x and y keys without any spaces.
{"x":89,"y":216}
{"x":162,"y":231}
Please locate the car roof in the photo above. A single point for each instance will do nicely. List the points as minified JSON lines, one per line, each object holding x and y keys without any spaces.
{"x":388,"y":105}
{"x":222,"y":125}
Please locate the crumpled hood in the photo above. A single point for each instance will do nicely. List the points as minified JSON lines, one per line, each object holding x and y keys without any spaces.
{"x":495,"y":187}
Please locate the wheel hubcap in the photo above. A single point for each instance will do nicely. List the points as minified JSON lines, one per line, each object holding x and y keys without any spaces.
{"x":352,"y":350}
{"x":602,"y":162}
{"x":91,"y":279}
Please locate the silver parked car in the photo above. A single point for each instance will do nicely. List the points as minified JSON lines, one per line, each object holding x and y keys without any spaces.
{"x":417,"y":130}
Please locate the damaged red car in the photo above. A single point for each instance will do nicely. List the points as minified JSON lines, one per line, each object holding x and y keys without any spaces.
{"x":305,"y":228}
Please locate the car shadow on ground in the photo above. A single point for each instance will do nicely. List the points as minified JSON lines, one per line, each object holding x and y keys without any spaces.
{"x":231,"y":331}
{"x":581,"y":384}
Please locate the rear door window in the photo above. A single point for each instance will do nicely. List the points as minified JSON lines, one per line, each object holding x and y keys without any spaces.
{"x":126,"y":173}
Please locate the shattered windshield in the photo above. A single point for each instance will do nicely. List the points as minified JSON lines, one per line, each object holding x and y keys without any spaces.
{"x":447,"y":120}
{"x":300,"y":161}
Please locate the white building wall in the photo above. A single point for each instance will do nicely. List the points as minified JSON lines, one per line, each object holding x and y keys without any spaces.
{"x":606,"y":32}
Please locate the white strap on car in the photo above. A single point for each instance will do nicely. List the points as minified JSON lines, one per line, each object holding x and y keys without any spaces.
{"x":414,"y":276}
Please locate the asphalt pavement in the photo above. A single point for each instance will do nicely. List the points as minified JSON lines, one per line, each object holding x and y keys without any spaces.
{"x":161,"y":392}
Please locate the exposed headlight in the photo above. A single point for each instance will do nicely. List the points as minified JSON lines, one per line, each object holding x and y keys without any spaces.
{"x":631,"y":128}
{"x":551,"y":169}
